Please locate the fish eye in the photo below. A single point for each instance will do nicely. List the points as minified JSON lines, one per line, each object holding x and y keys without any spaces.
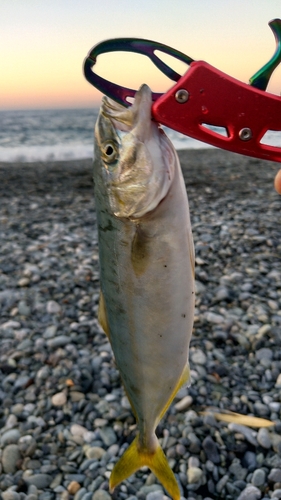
{"x":110,"y":152}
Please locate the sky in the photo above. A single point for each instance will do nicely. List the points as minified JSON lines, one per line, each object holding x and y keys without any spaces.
{"x":43,"y":44}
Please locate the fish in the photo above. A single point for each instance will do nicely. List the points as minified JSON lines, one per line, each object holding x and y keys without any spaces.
{"x":146,"y":258}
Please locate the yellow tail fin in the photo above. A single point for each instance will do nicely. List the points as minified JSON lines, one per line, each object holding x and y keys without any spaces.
{"x":134,"y":458}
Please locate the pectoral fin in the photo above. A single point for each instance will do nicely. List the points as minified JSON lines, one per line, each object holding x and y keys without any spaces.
{"x":135,"y":457}
{"x":102,"y":317}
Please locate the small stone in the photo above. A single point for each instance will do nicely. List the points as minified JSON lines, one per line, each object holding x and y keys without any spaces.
{"x":11,"y":324}
{"x":211,"y":450}
{"x":101,"y":495}
{"x":73,"y":487}
{"x":194,"y":475}
{"x":276,"y":494}
{"x":23,"y":282}
{"x":80,"y":493}
{"x":263,"y":438}
{"x":237,"y":470}
{"x":11,"y":422}
{"x":108,"y":435}
{"x":214,"y":318}
{"x":193,"y":462}
{"x":184,"y":403}
{"x":275,"y":475}
{"x":100,"y":422}
{"x":125,"y":403}
{"x":57,"y":480}
{"x":198,"y":357}
{"x":148,"y":489}
{"x":52,"y":307}
{"x":278,"y":382}
{"x":249,"y":461}
{"x":155,"y":495}
{"x":23,"y":308}
{"x":246,"y":431}
{"x":10,"y":495}
{"x":250,"y":493}
{"x":41,"y":481}
{"x":10,"y":437}
{"x":59,"y":399}
{"x":263,"y":330}
{"x":11,"y":456}
{"x":221,"y":483}
{"x":50,"y":332}
{"x":59,"y":341}
{"x":17,"y":408}
{"x":78,"y":430}
{"x":95,"y":452}
{"x":76,"y":396}
{"x":264,"y":353}
{"x":258,"y":478}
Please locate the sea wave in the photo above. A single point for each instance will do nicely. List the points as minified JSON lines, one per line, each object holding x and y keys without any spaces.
{"x":56,"y":152}
{"x":74,"y":151}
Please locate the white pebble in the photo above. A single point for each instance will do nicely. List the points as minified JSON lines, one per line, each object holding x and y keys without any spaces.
{"x":184,"y":403}
{"x":59,"y":399}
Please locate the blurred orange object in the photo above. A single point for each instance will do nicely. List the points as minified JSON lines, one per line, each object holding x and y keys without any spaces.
{"x":69,"y":382}
{"x":277,"y":182}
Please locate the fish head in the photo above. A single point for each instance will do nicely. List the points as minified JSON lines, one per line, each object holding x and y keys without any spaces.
{"x":134,"y":159}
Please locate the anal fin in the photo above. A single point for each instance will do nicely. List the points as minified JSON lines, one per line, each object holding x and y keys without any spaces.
{"x":184,"y":379}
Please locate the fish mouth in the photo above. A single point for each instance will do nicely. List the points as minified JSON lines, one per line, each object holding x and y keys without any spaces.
{"x":136,"y":118}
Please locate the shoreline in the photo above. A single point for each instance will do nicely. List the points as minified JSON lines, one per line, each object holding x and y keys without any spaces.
{"x":219,"y":170}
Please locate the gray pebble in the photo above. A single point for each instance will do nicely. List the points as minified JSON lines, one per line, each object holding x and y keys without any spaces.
{"x":250,"y":493}
{"x":101,"y":495}
{"x":263,"y":438}
{"x":155,"y":495}
{"x":80,"y":493}
{"x":23,"y":308}
{"x":194,"y":475}
{"x":11,"y":455}
{"x":264,"y":353}
{"x":41,"y":481}
{"x":148,"y":489}
{"x":237,"y":470}
{"x":221,"y":483}
{"x":10,"y":437}
{"x":275,"y":475}
{"x":108,"y":436}
{"x":59,"y":341}
{"x":258,"y":478}
{"x":10,"y":495}
{"x":53,"y":307}
{"x":246,"y":431}
{"x":211,"y":450}
{"x":198,"y":357}
{"x":276,"y":494}
{"x":31,"y":496}
{"x":214,"y":318}
{"x":50,"y":332}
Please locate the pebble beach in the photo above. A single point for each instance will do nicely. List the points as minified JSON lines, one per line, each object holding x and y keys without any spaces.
{"x":64,"y":416}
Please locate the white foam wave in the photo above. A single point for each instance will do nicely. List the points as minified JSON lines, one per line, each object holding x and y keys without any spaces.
{"x":57,"y":152}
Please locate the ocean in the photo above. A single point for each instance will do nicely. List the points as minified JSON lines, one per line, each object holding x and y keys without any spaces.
{"x":60,"y":134}
{"x":64,"y":134}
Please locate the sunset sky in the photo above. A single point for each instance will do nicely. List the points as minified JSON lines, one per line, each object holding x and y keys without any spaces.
{"x":43,"y":44}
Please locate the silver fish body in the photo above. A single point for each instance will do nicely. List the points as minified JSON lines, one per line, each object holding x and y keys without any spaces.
{"x":146,"y":269}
